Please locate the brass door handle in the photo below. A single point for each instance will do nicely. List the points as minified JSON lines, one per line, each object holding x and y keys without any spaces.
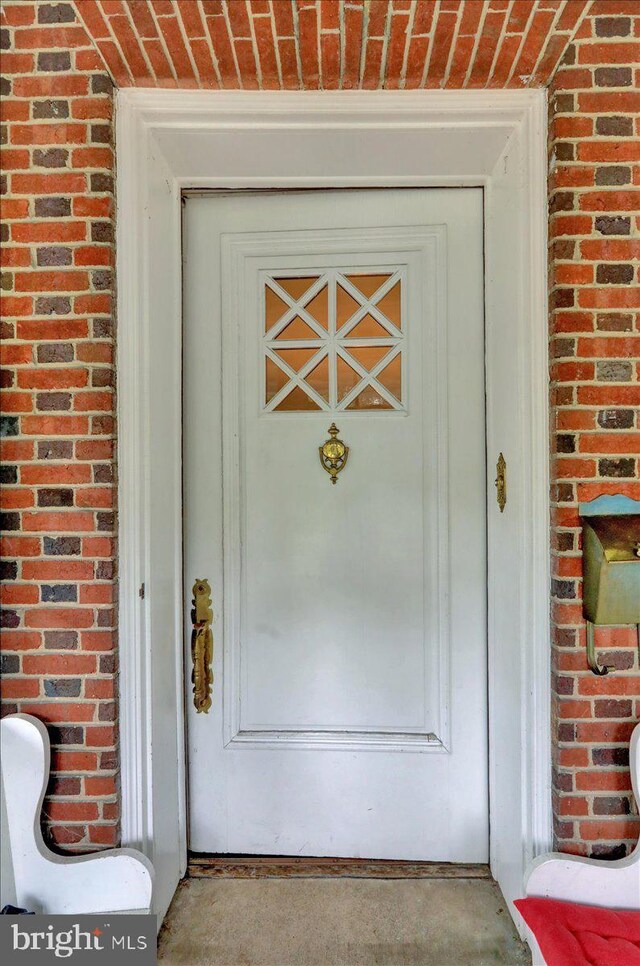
{"x":201,"y":646}
{"x":501,"y":482}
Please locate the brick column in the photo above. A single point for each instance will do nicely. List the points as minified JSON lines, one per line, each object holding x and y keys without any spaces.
{"x":594,"y":191}
{"x":58,"y":409}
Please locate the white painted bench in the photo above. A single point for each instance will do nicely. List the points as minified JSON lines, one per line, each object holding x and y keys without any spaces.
{"x":32,"y":876}
{"x":611,"y":884}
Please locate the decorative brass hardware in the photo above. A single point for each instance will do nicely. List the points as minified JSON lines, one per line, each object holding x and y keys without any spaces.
{"x":201,"y":646}
{"x":501,"y":482}
{"x":333,"y":454}
{"x":591,"y":654}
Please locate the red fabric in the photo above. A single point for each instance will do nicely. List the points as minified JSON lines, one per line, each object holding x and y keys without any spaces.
{"x":572,"y":935}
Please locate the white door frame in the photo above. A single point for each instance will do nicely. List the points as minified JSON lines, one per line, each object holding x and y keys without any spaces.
{"x":168,"y":141}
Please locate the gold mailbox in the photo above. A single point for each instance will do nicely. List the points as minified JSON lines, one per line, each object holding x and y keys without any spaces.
{"x":611,"y":566}
{"x":611,"y":549}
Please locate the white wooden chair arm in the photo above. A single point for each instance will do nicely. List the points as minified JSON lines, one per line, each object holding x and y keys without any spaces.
{"x":116,"y":880}
{"x":595,"y":882}
{"x":613,"y":884}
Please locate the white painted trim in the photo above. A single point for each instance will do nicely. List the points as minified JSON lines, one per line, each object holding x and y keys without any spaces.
{"x":538,"y":669}
{"x":133,"y":660}
{"x":170,"y":140}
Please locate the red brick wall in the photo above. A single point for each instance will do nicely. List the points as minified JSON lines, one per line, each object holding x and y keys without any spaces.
{"x":331,"y":44}
{"x":58,"y":417}
{"x":58,"y":640}
{"x":595,"y":370}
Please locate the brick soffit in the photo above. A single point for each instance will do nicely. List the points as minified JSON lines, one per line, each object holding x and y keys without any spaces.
{"x":332,"y":44}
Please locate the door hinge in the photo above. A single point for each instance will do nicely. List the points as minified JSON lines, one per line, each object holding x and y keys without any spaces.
{"x":141,"y":591}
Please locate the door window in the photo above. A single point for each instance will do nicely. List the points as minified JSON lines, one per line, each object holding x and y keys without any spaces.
{"x":334,"y":341}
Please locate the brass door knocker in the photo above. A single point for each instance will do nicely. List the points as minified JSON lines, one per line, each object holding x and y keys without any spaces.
{"x":333,"y":454}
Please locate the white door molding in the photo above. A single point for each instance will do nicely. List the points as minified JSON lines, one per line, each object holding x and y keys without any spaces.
{"x":168,"y":141}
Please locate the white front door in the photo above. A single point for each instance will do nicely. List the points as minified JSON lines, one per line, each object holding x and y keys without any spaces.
{"x":348,"y":708}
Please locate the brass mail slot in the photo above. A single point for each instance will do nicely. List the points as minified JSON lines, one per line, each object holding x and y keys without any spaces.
{"x":611,"y":562}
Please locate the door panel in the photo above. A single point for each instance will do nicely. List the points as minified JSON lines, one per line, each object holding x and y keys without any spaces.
{"x":332,"y":592}
{"x":349,"y":695}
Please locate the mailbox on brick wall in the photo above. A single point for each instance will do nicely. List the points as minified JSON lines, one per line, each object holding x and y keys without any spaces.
{"x":611,"y":566}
